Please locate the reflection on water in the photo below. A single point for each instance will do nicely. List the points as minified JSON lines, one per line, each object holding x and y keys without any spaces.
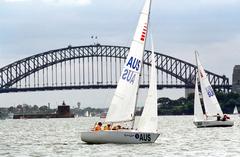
{"x":61,"y":137}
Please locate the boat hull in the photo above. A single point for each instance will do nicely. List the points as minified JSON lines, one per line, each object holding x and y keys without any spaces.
{"x":213,"y":123}
{"x":119,"y":137}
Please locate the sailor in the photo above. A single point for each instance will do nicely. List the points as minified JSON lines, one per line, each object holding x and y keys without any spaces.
{"x":107,"y":127}
{"x":98,"y":127}
{"x":117,"y":127}
{"x":225,"y":117}
{"x":218,"y":117}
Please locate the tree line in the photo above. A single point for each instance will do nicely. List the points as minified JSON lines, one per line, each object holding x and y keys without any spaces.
{"x":185,"y":106}
{"x":166,"y":106}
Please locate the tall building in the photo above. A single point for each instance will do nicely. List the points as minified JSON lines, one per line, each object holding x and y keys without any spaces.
{"x":236,"y":79}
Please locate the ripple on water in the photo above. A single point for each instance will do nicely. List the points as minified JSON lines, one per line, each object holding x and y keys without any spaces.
{"x":61,"y":137}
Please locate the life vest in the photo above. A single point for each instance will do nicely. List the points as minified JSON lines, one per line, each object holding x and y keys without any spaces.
{"x":98,"y":128}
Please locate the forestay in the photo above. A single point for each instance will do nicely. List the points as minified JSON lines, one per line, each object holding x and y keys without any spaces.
{"x":123,"y":103}
{"x":211,"y":104}
{"x":149,"y":120}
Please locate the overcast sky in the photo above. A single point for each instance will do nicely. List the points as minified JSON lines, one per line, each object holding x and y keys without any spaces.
{"x":180,"y":27}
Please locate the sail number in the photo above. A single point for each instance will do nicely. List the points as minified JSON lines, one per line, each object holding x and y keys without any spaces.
{"x":210,"y":91}
{"x":129,"y":74}
{"x":143,"y":137}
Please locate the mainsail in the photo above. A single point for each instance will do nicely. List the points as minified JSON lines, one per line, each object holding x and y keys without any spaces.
{"x":123,"y":104}
{"x":211,"y":104}
{"x":198,"y":112}
{"x":149,"y":120}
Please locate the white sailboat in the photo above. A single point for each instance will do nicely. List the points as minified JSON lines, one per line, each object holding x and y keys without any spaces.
{"x":86,"y":114}
{"x":123,"y":105}
{"x":210,"y":102}
{"x":235,"y":111}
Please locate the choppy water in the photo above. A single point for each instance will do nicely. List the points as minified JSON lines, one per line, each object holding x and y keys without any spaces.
{"x":61,"y":137}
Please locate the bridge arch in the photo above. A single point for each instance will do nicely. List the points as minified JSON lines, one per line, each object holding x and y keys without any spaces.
{"x":101,"y":61}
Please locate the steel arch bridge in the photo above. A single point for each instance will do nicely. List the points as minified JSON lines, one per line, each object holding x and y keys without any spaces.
{"x":93,"y":67}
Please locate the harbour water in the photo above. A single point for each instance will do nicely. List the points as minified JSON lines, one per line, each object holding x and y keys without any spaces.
{"x":61,"y":138}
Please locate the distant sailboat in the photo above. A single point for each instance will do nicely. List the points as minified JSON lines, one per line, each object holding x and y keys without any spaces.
{"x":235,"y":111}
{"x":86,"y":114}
{"x":123,"y":105}
{"x":210,"y":102}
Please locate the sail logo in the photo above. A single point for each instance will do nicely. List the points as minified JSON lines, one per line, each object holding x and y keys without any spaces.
{"x":128,"y":74}
{"x":144,"y":33}
{"x":143,"y":137}
{"x":134,"y":63}
{"x":210,"y":91}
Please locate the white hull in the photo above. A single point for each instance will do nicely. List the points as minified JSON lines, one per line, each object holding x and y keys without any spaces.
{"x":213,"y":123}
{"x":119,"y":137}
